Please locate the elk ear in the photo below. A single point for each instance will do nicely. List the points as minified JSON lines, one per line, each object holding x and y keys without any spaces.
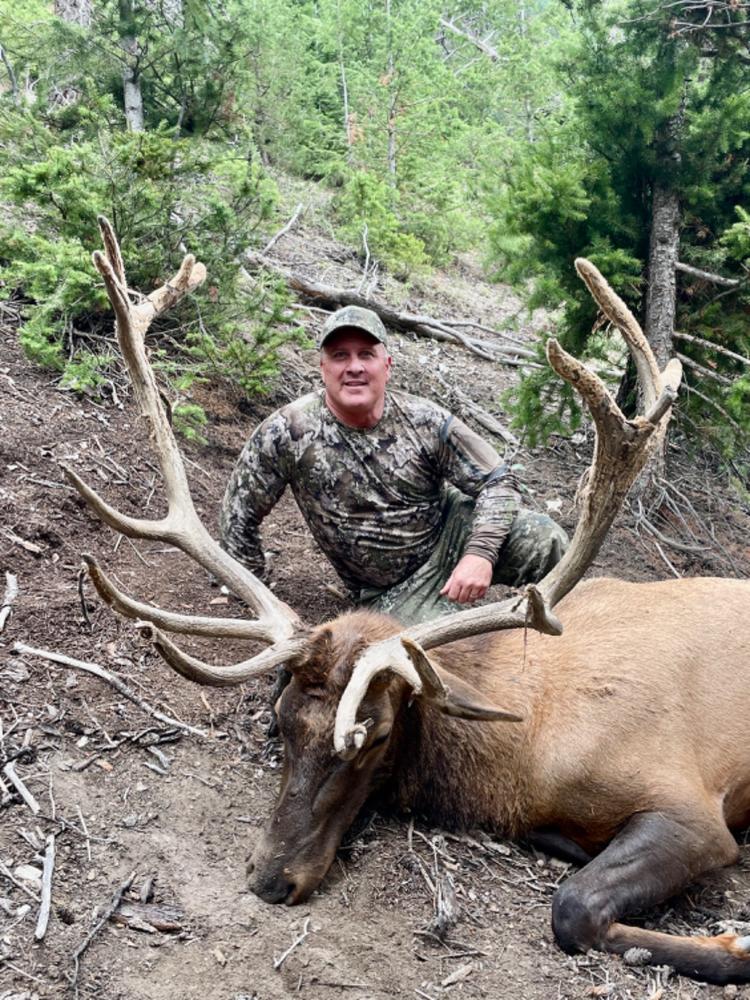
{"x":450,"y":694}
{"x":311,"y":666}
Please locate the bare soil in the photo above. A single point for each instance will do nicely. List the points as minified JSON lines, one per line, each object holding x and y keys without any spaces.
{"x":187,"y":814}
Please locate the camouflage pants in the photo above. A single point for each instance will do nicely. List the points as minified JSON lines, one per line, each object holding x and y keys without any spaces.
{"x":533,"y":546}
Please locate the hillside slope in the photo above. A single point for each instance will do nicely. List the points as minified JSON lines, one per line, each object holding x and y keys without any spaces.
{"x":186,"y":815}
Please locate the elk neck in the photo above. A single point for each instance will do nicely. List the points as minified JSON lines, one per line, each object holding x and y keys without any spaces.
{"x":463,"y":773}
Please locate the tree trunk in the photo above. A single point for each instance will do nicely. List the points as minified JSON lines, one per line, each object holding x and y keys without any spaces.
{"x":392,"y":100}
{"x":661,"y":297}
{"x":131,"y":77}
{"x":74,"y":11}
{"x":663,"y":254}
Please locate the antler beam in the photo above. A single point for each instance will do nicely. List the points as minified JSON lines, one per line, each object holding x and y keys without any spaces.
{"x":276,"y":622}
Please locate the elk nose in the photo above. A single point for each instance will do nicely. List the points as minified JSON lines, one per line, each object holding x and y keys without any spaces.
{"x":270,"y":886}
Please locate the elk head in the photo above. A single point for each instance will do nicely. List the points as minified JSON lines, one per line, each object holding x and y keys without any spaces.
{"x":322,"y":791}
{"x":342,"y":715}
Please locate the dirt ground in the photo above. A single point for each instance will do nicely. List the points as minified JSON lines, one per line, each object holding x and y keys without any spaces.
{"x":128,"y":795}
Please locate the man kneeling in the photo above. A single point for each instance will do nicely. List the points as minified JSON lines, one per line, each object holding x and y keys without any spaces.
{"x":415,"y":511}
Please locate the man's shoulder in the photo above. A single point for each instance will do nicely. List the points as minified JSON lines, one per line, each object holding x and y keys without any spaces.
{"x":417,"y":408}
{"x":302,"y":414}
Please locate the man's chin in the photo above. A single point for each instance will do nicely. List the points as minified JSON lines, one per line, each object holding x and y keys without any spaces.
{"x":356,"y":400}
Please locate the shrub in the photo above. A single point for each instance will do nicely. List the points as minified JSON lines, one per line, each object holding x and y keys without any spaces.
{"x":165,"y":196}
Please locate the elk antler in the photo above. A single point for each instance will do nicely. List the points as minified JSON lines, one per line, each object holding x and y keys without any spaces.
{"x":276,"y":622}
{"x":621,"y":451}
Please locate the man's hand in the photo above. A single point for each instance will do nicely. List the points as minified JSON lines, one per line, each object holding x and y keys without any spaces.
{"x":469,"y":580}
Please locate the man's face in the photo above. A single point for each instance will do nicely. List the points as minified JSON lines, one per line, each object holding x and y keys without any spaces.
{"x":355,"y":369}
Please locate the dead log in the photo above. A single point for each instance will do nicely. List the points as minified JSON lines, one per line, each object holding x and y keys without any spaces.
{"x":422,"y":325}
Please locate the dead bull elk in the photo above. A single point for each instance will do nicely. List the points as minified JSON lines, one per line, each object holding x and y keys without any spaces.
{"x":625,"y":737}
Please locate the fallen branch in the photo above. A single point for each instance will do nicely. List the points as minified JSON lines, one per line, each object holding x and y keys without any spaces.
{"x":150,"y":917}
{"x":110,"y":678}
{"x":715,"y":279}
{"x":716,"y":406}
{"x":10,"y":773}
{"x":518,"y":341}
{"x":101,"y":922}
{"x":44,"y":909}
{"x":482,"y":417}
{"x":423,"y":326}
{"x":4,"y":870}
{"x":282,"y":232}
{"x":709,"y":345}
{"x":702,"y":370}
{"x":11,"y":593}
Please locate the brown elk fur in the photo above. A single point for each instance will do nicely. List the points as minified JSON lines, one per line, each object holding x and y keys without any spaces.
{"x":637,"y":714}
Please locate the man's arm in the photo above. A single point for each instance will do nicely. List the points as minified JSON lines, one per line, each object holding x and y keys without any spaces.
{"x":472,"y":465}
{"x":256,"y":484}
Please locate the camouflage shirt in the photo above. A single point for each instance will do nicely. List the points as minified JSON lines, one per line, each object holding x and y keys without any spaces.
{"x":372,"y":498}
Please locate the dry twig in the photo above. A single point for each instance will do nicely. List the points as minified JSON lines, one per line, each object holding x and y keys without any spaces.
{"x":101,"y":922}
{"x":11,"y":593}
{"x":283,"y":231}
{"x":282,"y":958}
{"x":44,"y":909}
{"x":10,"y":773}
{"x":110,"y":678}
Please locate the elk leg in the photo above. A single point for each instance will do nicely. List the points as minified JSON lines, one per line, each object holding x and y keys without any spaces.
{"x":557,"y":845}
{"x":653,"y":857}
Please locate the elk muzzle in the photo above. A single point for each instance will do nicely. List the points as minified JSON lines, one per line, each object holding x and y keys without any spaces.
{"x":292,"y":857}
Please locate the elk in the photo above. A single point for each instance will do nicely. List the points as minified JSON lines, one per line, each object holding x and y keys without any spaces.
{"x":621,"y":741}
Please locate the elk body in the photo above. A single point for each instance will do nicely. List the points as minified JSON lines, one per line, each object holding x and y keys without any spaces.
{"x":621,"y":740}
{"x":633,"y":747}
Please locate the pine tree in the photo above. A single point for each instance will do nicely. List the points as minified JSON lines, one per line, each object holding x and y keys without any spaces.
{"x":643,"y":173}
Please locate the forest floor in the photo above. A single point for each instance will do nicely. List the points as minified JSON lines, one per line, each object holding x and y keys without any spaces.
{"x":127,"y":794}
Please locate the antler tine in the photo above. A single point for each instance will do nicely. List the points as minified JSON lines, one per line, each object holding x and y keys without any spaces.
{"x":618,"y":313}
{"x":225,"y":676}
{"x":621,"y":452}
{"x":112,"y":248}
{"x":182,"y":526}
{"x":348,"y":735}
{"x":219,"y":628}
{"x":396,"y":654}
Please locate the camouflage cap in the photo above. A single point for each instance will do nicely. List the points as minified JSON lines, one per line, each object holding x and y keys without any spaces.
{"x":356,"y":317}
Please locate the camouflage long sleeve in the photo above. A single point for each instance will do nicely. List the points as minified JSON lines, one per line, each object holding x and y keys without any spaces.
{"x":255,"y":486}
{"x":475,"y":468}
{"x":373,"y":498}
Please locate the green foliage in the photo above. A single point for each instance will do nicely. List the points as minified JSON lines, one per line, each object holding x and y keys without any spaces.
{"x":87,"y":372}
{"x":189,"y":420}
{"x":736,"y":239}
{"x":646,"y":108}
{"x":249,"y":360}
{"x":367,"y":201}
{"x":541,"y":406}
{"x":163,"y":194}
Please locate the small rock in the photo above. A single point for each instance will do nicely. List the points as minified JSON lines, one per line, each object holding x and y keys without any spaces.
{"x":16,"y":674}
{"x":637,"y":956}
{"x":220,"y":957}
{"x":458,"y":976}
{"x":28,"y":873}
{"x":731,"y":991}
